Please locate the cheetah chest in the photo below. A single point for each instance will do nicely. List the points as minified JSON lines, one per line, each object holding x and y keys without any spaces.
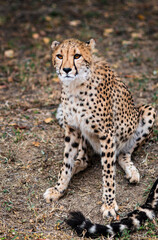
{"x":73,"y":110}
{"x":76,"y":116}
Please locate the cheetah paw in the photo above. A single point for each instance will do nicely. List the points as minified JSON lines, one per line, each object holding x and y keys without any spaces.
{"x":109,"y":211}
{"x":79,"y":169}
{"x":133,"y":175}
{"x":51,"y":194}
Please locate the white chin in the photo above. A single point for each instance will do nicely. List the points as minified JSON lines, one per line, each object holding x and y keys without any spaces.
{"x":66,"y":80}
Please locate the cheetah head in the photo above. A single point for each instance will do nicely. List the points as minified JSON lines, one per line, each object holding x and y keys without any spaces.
{"x":72,"y":59}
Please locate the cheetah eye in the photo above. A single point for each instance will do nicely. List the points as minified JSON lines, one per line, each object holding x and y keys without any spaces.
{"x":59,"y":56}
{"x":77,"y":56}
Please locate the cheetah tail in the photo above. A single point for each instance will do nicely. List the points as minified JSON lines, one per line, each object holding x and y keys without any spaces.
{"x":133,"y":221}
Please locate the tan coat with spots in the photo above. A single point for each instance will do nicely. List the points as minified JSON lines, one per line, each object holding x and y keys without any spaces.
{"x":96,"y":107}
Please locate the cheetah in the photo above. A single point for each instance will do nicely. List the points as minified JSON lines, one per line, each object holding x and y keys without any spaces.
{"x":97,"y":108}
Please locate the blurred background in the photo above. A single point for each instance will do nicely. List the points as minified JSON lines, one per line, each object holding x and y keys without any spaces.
{"x":31,"y":142}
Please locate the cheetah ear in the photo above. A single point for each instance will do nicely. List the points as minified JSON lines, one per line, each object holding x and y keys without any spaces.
{"x":54,"y":44}
{"x":91,"y":43}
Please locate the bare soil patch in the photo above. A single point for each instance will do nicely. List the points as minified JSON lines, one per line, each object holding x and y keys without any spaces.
{"x":31,"y":141}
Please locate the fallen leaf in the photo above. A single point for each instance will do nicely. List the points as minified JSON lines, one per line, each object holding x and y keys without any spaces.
{"x":122,"y":207}
{"x":48,"y":120}
{"x":155,"y":86}
{"x":35,"y":35}
{"x":106,"y":14}
{"x":48,"y":18}
{"x":46,"y":40}
{"x":43,"y":239}
{"x":9,"y":53}
{"x":16,"y":126}
{"x":136,"y":35}
{"x":125,"y":42}
{"x":107,"y":31}
{"x":155,"y":35}
{"x":115,"y":65}
{"x":42,"y":33}
{"x":10,"y":79}
{"x":141,"y":17}
{"x":74,"y":23}
{"x":117,"y":217}
{"x":56,"y":79}
{"x":36,"y":144}
{"x":12,"y":124}
{"x":154,"y":222}
{"x":130,"y":76}
{"x":61,"y":207}
{"x":3,"y":86}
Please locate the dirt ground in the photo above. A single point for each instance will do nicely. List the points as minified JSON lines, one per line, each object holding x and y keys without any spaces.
{"x":31,"y":141}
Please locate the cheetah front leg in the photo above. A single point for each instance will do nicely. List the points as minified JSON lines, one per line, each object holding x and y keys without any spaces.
{"x":108,"y":158}
{"x":72,"y":139}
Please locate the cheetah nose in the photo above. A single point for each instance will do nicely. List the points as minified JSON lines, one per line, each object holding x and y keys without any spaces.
{"x":67,"y":70}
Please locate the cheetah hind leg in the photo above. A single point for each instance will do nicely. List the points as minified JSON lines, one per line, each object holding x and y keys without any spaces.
{"x":81,"y":162}
{"x":127,"y":165}
{"x":142,"y":133}
{"x":80,"y":165}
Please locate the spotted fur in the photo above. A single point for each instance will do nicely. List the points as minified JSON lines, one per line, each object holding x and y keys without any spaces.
{"x":132,"y":222}
{"x":59,"y":115}
{"x":96,"y":107}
